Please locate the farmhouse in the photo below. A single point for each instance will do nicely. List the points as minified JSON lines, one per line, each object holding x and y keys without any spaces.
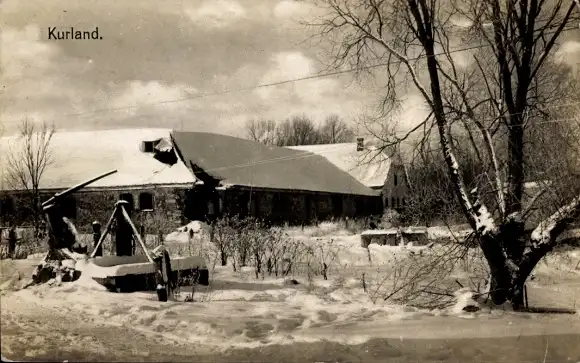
{"x":171,"y":177}
{"x":371,"y":166}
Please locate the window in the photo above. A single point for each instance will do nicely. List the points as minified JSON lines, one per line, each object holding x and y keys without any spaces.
{"x":148,"y":146}
{"x":392,"y":202}
{"x":6,"y":206}
{"x":395,"y":179}
{"x":146,"y":202}
{"x":360,"y":144}
{"x":128,"y":197}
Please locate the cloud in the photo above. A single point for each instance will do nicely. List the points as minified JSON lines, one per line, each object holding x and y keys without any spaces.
{"x":23,"y":56}
{"x":413,"y":111}
{"x":37,"y":79}
{"x":157,"y":55}
{"x":139,"y":95}
{"x":317,"y":98}
{"x":44,"y":85}
{"x":291,"y":66}
{"x":292,"y":9}
{"x":216,"y":13}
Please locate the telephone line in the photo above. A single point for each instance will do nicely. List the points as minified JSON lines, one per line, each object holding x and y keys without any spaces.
{"x":265,"y":85}
{"x":282,"y":82}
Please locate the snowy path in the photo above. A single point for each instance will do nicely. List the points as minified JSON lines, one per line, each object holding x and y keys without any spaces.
{"x":221,"y":324}
{"x":37,"y":333}
{"x":252,"y":318}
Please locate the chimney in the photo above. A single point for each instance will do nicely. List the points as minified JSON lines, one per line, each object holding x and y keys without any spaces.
{"x":360,"y":143}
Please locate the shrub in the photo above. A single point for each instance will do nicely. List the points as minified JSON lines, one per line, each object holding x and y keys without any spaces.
{"x":271,"y":252}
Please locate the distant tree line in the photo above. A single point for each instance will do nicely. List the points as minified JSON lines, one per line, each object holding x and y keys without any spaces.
{"x":299,"y":130}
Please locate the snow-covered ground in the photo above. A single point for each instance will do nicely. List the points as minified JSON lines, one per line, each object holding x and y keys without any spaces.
{"x":238,"y":310}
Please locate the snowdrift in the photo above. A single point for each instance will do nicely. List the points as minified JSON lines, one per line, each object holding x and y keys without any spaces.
{"x":239,"y":310}
{"x":194,"y":230}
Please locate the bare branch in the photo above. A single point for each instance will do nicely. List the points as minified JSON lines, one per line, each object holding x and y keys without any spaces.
{"x":28,"y":159}
{"x":548,"y":230}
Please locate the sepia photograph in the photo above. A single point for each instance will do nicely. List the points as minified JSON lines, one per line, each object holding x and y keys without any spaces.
{"x":290,"y":181}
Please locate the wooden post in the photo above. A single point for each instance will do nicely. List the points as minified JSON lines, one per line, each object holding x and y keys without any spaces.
{"x":135,"y":233}
{"x":161,"y":287}
{"x":98,"y":249}
{"x":12,"y":242}
{"x":166,"y":270}
{"x":143,"y":235}
{"x":163,"y":275}
{"x":107,"y":230}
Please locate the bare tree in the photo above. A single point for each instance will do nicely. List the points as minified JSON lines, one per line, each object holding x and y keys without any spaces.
{"x":27,"y":162}
{"x":297,"y":130}
{"x":263,"y":131}
{"x":334,"y":130}
{"x":491,"y":94}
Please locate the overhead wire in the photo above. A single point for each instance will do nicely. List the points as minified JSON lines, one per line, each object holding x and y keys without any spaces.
{"x":282,"y":82}
{"x":306,"y":154}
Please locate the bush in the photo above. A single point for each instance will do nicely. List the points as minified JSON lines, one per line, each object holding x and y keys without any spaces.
{"x":269,"y":250}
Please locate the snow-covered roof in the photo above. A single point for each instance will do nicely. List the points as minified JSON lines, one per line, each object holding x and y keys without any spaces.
{"x":241,"y":162}
{"x":369,"y":166}
{"x":82,"y":155}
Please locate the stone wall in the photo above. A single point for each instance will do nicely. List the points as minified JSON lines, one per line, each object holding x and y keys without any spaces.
{"x":173,"y":207}
{"x":165,"y":216}
{"x":296,"y":206}
{"x":84,"y":207}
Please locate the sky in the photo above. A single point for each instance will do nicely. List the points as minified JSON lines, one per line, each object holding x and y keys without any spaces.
{"x":156,"y":60}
